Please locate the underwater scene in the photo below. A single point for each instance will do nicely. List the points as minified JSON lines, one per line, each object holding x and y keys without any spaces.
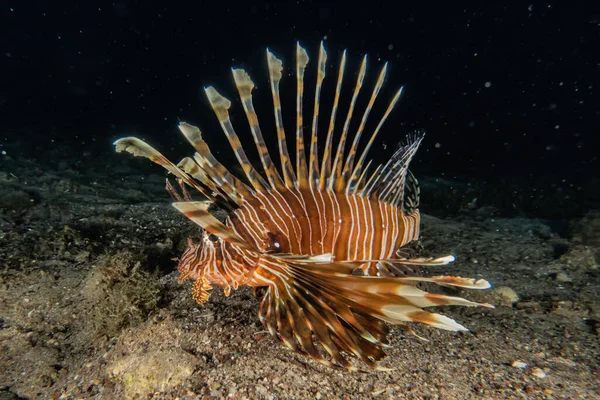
{"x":299,"y":200}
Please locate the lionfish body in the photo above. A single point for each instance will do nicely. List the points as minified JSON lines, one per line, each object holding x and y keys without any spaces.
{"x":323,"y":238}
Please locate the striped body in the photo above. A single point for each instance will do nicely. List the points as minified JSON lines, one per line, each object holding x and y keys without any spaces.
{"x":349,"y":227}
{"x":325,"y":238}
{"x":306,"y":222}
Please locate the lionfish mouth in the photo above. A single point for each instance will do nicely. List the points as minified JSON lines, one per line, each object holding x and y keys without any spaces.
{"x":328,"y":242}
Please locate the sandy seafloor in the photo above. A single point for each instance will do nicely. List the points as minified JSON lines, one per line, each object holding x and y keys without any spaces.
{"x":90,"y":306}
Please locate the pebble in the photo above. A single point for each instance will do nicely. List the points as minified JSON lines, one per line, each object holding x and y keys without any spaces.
{"x":563,"y":277}
{"x":519,"y":364}
{"x":504,"y":296}
{"x":538,"y":372}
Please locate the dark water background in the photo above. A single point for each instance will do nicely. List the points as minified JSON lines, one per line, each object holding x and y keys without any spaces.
{"x":505,"y":90}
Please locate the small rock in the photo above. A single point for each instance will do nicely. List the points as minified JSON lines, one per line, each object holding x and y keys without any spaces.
{"x":146,"y":372}
{"x":519,"y":364}
{"x":563,"y":277}
{"x":500,"y":296}
{"x":538,"y":372}
{"x":508,"y":295}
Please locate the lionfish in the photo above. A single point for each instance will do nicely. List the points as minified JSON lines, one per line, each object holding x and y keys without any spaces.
{"x":324,"y":242}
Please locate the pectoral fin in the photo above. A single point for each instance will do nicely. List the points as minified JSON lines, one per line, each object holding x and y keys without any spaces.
{"x":311,"y":304}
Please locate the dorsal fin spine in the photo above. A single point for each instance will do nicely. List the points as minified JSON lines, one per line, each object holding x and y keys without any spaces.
{"x":139,"y":148}
{"x":348,"y":167}
{"x":398,"y":180}
{"x":359,"y":164}
{"x":245,"y":85}
{"x":209,"y":189}
{"x":313,"y":167}
{"x":301,"y":167}
{"x":217,"y":171}
{"x":359,"y":184}
{"x":220,"y":106}
{"x":335,"y":181}
{"x":197,"y":211}
{"x":326,"y":163}
{"x":275,"y":74}
{"x":367,"y":189}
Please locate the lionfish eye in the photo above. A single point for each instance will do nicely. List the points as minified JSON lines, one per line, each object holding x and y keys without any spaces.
{"x":213,"y":238}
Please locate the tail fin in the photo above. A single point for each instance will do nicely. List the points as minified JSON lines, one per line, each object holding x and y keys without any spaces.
{"x":310,"y":305}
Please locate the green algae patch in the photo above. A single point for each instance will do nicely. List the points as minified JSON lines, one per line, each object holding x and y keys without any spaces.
{"x":121,"y":293}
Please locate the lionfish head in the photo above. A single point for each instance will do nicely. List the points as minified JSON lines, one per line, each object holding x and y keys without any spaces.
{"x":200,"y":256}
